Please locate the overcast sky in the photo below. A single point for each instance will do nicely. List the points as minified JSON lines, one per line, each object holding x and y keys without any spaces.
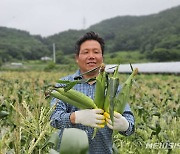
{"x":47,"y":17}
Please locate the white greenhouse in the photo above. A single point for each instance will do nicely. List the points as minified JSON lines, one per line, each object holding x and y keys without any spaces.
{"x":159,"y":67}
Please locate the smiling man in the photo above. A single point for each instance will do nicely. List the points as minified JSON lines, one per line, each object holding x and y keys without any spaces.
{"x":89,"y":55}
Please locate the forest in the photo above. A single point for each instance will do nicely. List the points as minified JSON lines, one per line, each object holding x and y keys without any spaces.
{"x":154,"y":37}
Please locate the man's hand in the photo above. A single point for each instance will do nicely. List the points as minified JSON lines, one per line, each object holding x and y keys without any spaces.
{"x":120,"y":122}
{"x":90,"y":117}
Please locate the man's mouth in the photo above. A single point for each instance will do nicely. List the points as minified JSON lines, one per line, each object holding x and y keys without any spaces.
{"x":91,"y":63}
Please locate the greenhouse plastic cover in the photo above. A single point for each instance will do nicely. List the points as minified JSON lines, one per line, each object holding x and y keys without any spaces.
{"x":158,"y":67}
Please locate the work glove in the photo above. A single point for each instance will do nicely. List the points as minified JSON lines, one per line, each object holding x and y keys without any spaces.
{"x":90,"y":117}
{"x":120,"y":123}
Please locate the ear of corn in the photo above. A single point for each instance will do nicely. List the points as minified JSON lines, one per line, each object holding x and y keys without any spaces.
{"x":113,"y":86}
{"x":78,"y":97}
{"x":100,"y":91}
{"x":111,"y":89}
{"x":106,"y":96}
{"x":122,"y":98}
{"x":66,"y":99}
{"x":100,"y":87}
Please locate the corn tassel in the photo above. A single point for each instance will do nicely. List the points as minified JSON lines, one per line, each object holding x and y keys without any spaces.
{"x":122,"y":98}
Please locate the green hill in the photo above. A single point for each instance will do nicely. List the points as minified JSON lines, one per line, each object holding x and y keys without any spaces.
{"x":154,"y":37}
{"x":18,"y":44}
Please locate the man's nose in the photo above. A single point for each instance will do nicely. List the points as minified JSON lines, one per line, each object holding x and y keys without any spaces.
{"x":91,"y":55}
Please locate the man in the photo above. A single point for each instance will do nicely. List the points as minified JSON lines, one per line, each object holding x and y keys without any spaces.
{"x":89,"y":54}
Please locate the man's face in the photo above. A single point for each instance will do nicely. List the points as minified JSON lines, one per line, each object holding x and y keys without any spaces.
{"x":90,"y":55}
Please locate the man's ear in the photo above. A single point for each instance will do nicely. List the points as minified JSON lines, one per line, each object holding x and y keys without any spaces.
{"x":76,"y":57}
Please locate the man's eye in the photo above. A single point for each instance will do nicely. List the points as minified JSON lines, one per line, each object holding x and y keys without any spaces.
{"x":96,"y":51}
{"x":84,"y":52}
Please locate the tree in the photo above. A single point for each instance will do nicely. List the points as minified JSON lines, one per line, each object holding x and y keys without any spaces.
{"x":161,"y":54}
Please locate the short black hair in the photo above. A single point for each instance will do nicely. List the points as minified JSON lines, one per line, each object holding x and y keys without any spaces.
{"x":89,"y":36}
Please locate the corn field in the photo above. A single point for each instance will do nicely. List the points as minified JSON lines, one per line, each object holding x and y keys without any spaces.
{"x":24,"y":113}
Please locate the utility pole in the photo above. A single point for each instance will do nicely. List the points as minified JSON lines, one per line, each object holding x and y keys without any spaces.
{"x":54,"y":53}
{"x":84,"y":23}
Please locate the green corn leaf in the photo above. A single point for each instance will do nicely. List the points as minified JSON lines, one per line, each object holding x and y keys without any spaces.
{"x":52,"y":151}
{"x":122,"y":98}
{"x":53,"y":140}
{"x":70,"y":84}
{"x":63,"y":81}
{"x":94,"y":132}
{"x":74,"y":141}
{"x":3,"y":114}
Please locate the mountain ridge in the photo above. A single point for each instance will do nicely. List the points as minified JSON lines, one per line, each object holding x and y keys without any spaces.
{"x":153,"y":35}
